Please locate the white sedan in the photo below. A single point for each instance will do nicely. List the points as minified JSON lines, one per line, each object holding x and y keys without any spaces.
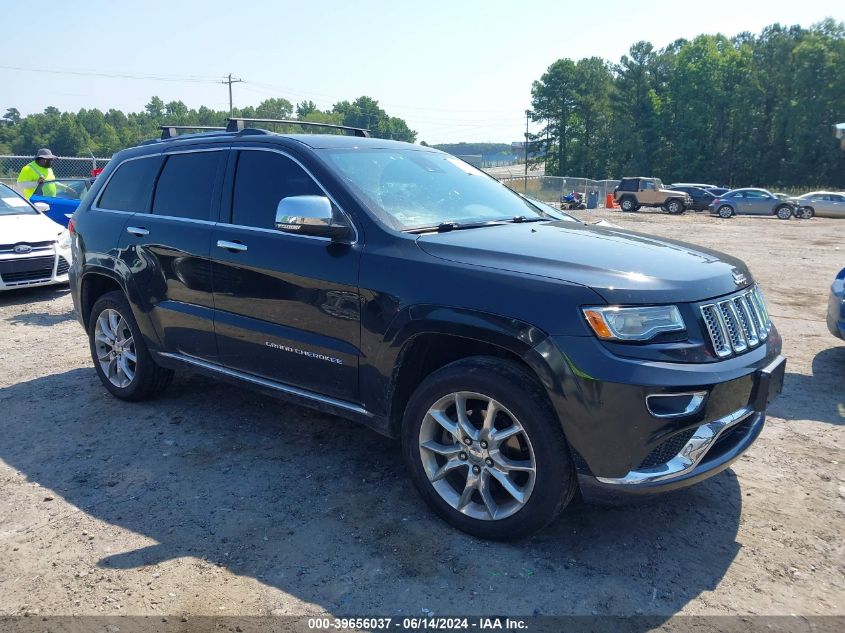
{"x":34,"y":250}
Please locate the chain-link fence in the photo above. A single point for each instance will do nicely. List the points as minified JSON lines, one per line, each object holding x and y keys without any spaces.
{"x":70,"y":167}
{"x":551,"y":188}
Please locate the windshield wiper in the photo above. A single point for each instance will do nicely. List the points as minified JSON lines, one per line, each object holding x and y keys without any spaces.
{"x":445,"y":227}
{"x":518,"y":219}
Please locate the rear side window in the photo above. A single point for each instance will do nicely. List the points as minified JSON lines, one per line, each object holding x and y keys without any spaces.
{"x":262,"y":179}
{"x":186,"y":185}
{"x":131,"y":186}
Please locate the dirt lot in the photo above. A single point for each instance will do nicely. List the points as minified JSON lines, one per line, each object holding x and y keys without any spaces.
{"x":215,"y":500}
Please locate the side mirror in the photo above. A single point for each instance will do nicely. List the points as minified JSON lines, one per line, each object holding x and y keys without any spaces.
{"x":42,"y":207}
{"x":309,"y":215}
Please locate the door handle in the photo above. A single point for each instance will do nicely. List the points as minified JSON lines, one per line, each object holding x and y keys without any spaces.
{"x":231,"y":246}
{"x":137,"y":231}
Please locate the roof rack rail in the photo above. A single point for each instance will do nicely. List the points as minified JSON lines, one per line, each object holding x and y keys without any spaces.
{"x":172,"y":131}
{"x":236,"y":124}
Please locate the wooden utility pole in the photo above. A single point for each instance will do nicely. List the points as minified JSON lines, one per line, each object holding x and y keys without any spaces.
{"x":231,"y":81}
{"x":525,"y":184}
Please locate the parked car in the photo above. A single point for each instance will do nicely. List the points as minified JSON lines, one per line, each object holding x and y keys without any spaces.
{"x":691,"y":184}
{"x":63,"y":195}
{"x":751,"y":202}
{"x":701,"y":198}
{"x":634,"y":193}
{"x":836,"y":306}
{"x":825,"y":204}
{"x":518,"y":359}
{"x":34,"y":251}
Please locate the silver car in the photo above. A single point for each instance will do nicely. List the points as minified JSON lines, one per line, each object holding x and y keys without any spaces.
{"x":825,"y":204}
{"x":751,"y":201}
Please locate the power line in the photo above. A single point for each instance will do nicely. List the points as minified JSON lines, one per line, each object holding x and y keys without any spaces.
{"x":86,"y":73}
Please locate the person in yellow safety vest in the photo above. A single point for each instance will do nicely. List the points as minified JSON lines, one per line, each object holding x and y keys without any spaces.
{"x":36,"y":173}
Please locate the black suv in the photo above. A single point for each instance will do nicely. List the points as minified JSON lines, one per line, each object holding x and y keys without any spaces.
{"x":518,"y":359}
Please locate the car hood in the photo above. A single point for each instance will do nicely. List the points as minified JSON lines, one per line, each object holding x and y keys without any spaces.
{"x":624,"y":267}
{"x":27,"y":227}
{"x":673,"y":192}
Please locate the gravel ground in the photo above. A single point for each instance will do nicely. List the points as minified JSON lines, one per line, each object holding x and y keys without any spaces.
{"x":214,"y":500}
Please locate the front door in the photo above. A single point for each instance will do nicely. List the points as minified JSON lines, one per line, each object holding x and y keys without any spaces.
{"x":287,"y":306}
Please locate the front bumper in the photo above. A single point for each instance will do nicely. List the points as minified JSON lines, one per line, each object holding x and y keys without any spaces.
{"x":623,"y":447}
{"x":39,"y":267}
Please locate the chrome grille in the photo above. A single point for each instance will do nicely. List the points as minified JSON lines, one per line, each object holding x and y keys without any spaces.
{"x":35,"y":246}
{"x":738,"y":323}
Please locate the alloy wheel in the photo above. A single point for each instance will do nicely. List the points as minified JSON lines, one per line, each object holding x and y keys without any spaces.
{"x":115,"y":348}
{"x":477,"y":456}
{"x":725,"y":211}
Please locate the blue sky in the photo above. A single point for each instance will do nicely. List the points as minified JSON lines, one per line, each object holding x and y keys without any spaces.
{"x":459,"y":70}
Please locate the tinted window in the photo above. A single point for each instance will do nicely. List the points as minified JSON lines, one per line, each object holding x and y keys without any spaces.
{"x":262,"y":179}
{"x":836,"y":198}
{"x":186,"y":184}
{"x":755,"y":194}
{"x":130,"y":187}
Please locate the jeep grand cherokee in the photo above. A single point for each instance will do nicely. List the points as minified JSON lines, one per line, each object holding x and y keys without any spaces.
{"x":518,"y":359}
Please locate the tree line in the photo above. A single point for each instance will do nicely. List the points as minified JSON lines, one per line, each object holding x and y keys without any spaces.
{"x":746,"y":110}
{"x":103,"y":133}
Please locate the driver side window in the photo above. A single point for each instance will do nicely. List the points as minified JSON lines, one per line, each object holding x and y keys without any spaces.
{"x":262,"y":179}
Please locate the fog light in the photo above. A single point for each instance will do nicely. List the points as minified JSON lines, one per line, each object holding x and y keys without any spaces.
{"x":674,"y":405}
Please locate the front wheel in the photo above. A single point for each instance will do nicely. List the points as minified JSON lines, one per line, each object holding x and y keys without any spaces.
{"x":805,"y":213}
{"x":675,"y":207}
{"x":120,"y":356}
{"x":725,"y":211}
{"x":784,"y":212}
{"x":486,"y":451}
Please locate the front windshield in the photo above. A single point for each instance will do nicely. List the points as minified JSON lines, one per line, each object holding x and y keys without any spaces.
{"x":409,"y":189}
{"x":66,"y":189}
{"x":12,"y":204}
{"x":552,"y":212}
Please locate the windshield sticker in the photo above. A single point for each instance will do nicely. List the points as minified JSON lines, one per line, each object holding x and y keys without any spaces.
{"x":15,"y":202}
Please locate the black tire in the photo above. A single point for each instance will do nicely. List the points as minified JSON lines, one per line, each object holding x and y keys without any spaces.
{"x":510,"y":385}
{"x":725,"y":211}
{"x":674,"y":206}
{"x":149,"y":379}
{"x":784,"y":212}
{"x":805,"y":213}
{"x":628,"y":204}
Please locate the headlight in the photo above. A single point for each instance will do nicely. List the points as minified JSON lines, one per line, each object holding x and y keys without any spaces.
{"x":633,"y":324}
{"x":64,"y":239}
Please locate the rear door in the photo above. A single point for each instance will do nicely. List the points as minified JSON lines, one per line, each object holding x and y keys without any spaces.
{"x":167,"y":250}
{"x":287,"y":306}
{"x":836,"y":205}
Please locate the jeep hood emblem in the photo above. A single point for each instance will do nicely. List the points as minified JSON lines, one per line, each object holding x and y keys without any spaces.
{"x":739,"y":278}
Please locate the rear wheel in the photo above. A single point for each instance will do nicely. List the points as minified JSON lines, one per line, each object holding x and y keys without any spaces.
{"x":485,"y":450}
{"x":628,"y":204}
{"x":725,"y":211}
{"x":784,"y":212}
{"x":120,"y":356}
